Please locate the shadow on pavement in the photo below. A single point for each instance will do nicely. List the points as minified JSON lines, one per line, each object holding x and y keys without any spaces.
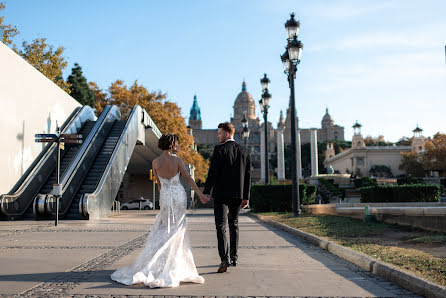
{"x":322,"y":255}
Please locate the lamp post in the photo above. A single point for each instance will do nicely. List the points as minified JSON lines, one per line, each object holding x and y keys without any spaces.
{"x":290,"y":60}
{"x":264,"y":106}
{"x":245,"y":131}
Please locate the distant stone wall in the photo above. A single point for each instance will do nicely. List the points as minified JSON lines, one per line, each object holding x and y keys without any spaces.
{"x":428,"y":216}
{"x":29,"y":103}
{"x":205,"y":136}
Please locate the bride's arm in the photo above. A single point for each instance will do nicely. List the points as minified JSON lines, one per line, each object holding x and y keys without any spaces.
{"x":188,"y":178}
{"x":155,"y":173}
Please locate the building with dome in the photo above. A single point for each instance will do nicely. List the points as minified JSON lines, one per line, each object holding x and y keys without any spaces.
{"x":328,"y":131}
{"x":245,"y":106}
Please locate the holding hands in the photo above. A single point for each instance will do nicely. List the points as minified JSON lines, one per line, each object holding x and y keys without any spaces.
{"x":204,"y":198}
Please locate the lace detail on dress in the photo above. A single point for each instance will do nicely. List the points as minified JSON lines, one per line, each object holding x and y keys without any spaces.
{"x":167,"y":258}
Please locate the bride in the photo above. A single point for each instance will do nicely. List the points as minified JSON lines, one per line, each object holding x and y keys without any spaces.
{"x":167,"y":258}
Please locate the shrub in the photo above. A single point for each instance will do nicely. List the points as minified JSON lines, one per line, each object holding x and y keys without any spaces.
{"x":331,"y":187}
{"x":400,"y":193}
{"x":277,"y":198}
{"x":409,"y":180}
{"x":380,"y":171}
{"x":364,"y":182}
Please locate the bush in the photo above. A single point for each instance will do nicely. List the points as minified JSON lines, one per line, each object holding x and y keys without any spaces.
{"x":409,"y":180}
{"x":364,"y":182}
{"x":331,"y":187}
{"x":380,"y":171}
{"x":277,"y":198}
{"x":400,"y":193}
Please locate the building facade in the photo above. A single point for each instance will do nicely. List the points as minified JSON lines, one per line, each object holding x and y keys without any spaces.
{"x":360,"y":159}
{"x":328,"y":131}
{"x":245,"y":106}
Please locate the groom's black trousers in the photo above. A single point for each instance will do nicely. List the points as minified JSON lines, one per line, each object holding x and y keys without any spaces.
{"x":227,"y":213}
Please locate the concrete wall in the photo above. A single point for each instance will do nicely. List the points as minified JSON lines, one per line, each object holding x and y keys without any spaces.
{"x":428,"y":216}
{"x":29,"y":104}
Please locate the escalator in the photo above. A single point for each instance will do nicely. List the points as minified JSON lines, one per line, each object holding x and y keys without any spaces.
{"x":84,"y":157}
{"x":90,"y":173}
{"x":19,"y":200}
{"x":96,"y":170}
{"x":66,"y":157}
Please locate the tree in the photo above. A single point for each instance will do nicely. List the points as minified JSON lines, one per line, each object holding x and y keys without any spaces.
{"x":100,"y":97}
{"x":404,"y":141}
{"x":9,"y":31}
{"x":51,"y":64}
{"x":378,"y":141}
{"x":412,"y":164}
{"x":79,"y":89}
{"x":166,"y":115}
{"x":380,"y":171}
{"x":435,"y":154}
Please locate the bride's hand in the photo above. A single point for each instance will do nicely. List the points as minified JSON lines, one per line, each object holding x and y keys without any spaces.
{"x":205,"y":198}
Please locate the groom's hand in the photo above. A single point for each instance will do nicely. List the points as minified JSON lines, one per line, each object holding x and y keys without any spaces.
{"x":244,"y":204}
{"x":205,"y":199}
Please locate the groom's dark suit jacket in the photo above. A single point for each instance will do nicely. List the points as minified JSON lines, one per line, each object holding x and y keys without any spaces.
{"x":229,"y":174}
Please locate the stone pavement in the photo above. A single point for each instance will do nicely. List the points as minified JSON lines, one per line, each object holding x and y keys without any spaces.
{"x":76,"y":259}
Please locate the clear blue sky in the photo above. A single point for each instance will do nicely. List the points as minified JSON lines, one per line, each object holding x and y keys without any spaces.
{"x":379,"y":62}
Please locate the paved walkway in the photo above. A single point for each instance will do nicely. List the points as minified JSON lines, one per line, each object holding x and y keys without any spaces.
{"x":77,"y":257}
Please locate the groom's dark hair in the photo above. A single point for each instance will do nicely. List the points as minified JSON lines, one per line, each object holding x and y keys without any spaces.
{"x":228,"y":127}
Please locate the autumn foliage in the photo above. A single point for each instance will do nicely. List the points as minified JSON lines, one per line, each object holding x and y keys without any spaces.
{"x":38,"y":53}
{"x":9,"y":31}
{"x":166,"y":115}
{"x":435,"y":154}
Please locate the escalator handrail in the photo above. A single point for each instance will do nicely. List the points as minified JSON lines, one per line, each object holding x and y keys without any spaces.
{"x":109,"y":111}
{"x":69,"y":126}
{"x":132,"y":120}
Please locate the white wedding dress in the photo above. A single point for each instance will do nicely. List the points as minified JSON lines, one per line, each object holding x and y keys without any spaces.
{"x":167,"y":257}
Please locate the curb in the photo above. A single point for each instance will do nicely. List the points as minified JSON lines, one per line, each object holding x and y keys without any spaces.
{"x":411,"y":282}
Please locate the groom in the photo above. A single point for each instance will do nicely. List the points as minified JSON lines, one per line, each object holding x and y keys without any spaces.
{"x":229,"y":177}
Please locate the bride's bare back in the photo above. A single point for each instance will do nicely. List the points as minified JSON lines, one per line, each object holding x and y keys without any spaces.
{"x":166,"y":166}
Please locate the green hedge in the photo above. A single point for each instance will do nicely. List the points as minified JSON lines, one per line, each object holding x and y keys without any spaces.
{"x":400,"y":193}
{"x":364,"y":182}
{"x":271,"y":198}
{"x":330,"y":186}
{"x":409,"y":180}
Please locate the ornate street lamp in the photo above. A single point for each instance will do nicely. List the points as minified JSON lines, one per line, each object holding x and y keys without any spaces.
{"x":265,"y":82}
{"x":245,"y":131}
{"x":290,"y":60}
{"x":264,"y":106}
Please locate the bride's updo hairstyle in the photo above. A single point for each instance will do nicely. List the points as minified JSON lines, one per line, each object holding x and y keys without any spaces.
{"x":167,"y":141}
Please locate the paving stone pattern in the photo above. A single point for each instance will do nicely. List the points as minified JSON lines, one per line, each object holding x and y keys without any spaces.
{"x":63,"y":284}
{"x":67,"y":281}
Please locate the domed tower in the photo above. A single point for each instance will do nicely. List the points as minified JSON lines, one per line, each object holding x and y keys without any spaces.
{"x":281,"y":124}
{"x":195,"y":115}
{"x":418,"y":140}
{"x":244,"y":103}
{"x":327,"y":121}
{"x":357,"y":140}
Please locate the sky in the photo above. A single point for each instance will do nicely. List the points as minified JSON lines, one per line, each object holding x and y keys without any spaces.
{"x":379,"y":62}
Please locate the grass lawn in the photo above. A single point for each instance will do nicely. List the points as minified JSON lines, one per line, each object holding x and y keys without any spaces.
{"x":374,"y":239}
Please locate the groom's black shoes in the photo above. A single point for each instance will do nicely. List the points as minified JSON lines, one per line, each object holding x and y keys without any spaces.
{"x":223,"y":266}
{"x":234,"y":262}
